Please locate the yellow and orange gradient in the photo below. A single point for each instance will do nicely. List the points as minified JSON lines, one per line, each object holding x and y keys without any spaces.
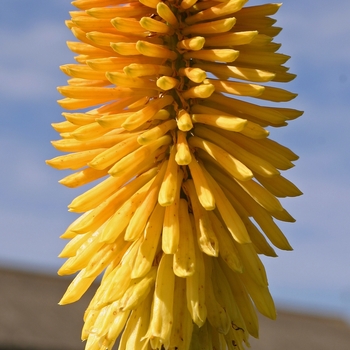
{"x":189,"y":181}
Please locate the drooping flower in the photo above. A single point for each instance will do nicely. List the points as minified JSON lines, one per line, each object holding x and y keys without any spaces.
{"x":188,"y":178}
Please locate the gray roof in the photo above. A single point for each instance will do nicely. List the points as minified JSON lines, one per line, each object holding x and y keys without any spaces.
{"x":31,"y":319}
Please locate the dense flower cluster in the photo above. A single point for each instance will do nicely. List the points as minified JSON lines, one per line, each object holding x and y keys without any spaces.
{"x":189,"y":178}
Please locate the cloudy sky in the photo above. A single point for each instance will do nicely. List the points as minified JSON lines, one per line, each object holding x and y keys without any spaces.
{"x":315,"y":276}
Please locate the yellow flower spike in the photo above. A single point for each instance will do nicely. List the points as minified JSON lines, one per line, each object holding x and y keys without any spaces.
{"x":139,"y":70}
{"x":184,"y":122}
{"x":114,"y":328}
{"x":196,"y":75}
{"x":234,"y":88}
{"x":139,"y":219}
{"x":87,"y":4}
{"x":96,"y":195}
{"x":224,"y":294}
{"x":135,"y":159}
{"x":83,"y":72}
{"x":105,"y":39}
{"x":183,"y":154}
{"x":125,"y":49}
{"x":203,"y":191}
{"x":207,"y":241}
{"x":202,"y":5}
{"x":194,"y":44}
{"x":228,"y":251}
{"x":82,"y":177}
{"x":161,"y":321}
{"x":252,"y":265}
{"x":77,"y":288}
{"x":220,"y":121}
{"x":140,"y":117}
{"x":215,"y":27}
{"x":101,"y":213}
{"x":265,"y":114}
{"x":119,"y":278}
{"x":128,"y":25}
{"x":217,"y":315}
{"x":154,"y":26}
{"x":121,"y":79}
{"x":195,"y":292}
{"x":213,"y":55}
{"x":229,"y":215}
{"x":149,"y":244}
{"x":186,"y":4}
{"x":243,"y":300}
{"x":227,"y":161}
{"x":231,"y":39}
{"x":65,"y":126}
{"x":279,"y":186}
{"x":199,"y":91}
{"x":181,"y":332}
{"x":154,"y":50}
{"x":74,"y":160}
{"x":123,"y":215}
{"x":156,"y":132}
{"x":137,"y":325}
{"x":220,"y":10}
{"x":162,"y":114}
{"x":189,"y":180}
{"x":167,"y":83}
{"x":261,"y":297}
{"x":150,"y":3}
{"x":79,"y":118}
{"x":171,"y":225}
{"x":165,"y":12}
{"x":132,"y":9}
{"x":251,"y":161}
{"x":225,"y":72}
{"x":168,"y":190}
{"x":114,"y":153}
{"x":184,"y":264}
{"x":138,"y":290}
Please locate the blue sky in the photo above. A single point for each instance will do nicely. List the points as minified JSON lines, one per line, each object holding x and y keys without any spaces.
{"x":33,"y":213}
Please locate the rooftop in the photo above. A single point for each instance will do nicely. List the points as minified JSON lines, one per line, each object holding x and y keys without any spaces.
{"x":31,"y":319}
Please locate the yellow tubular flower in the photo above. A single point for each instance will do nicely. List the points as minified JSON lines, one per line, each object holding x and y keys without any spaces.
{"x":189,"y":181}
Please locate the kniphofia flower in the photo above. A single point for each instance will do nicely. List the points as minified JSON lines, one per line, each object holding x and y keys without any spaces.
{"x":187,"y":180}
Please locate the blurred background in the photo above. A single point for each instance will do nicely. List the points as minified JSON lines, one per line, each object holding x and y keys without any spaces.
{"x":315,"y":277}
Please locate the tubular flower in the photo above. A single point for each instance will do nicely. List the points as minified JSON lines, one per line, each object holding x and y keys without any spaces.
{"x":189,"y":181}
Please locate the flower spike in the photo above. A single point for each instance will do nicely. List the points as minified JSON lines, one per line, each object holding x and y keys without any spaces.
{"x":165,"y":116}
